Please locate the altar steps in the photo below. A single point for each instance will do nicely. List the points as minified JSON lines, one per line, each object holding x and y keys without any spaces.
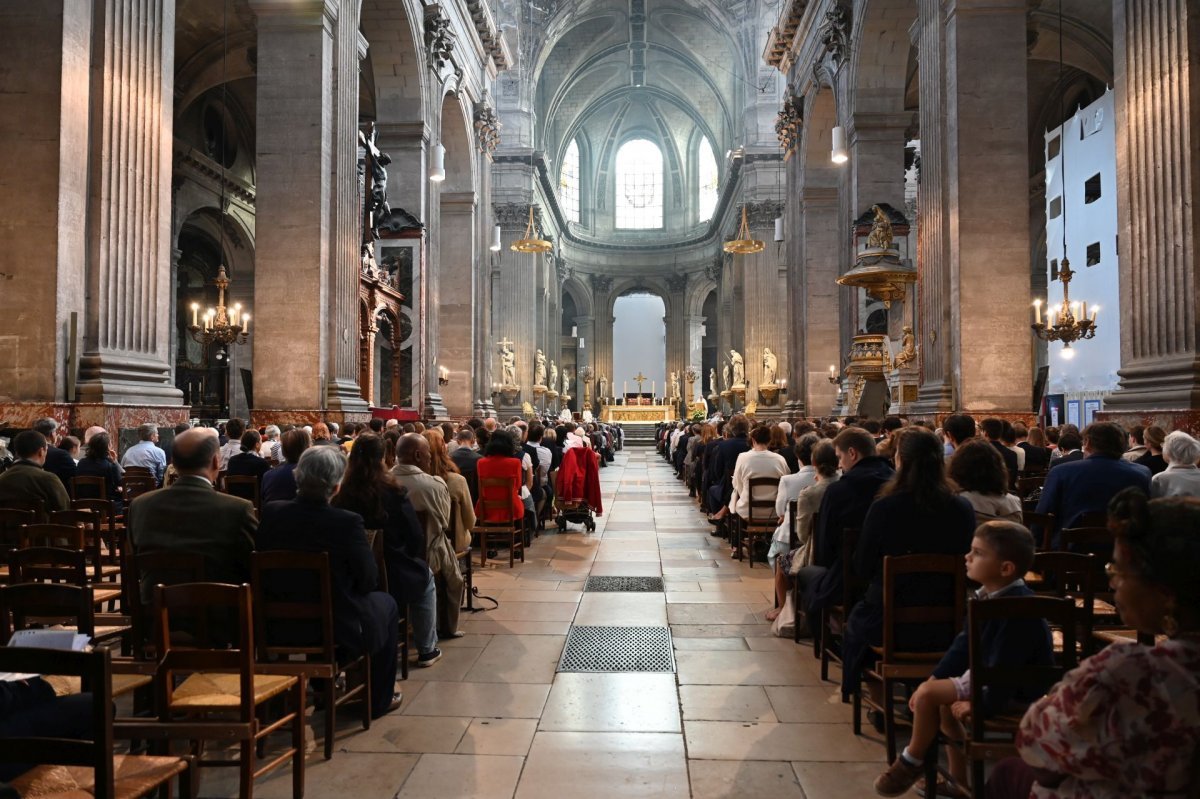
{"x":639,"y":434}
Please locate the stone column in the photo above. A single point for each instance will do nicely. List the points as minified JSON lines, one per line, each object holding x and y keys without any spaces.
{"x":513,"y":319}
{"x":343,"y":395}
{"x":294,"y":316}
{"x":599,"y":348}
{"x":456,"y":311}
{"x":820,"y":248}
{"x":587,"y":356}
{"x":764,"y":274}
{"x":1154,"y":47}
{"x":126,"y":357}
{"x":988,"y":145}
{"x":695,"y":356}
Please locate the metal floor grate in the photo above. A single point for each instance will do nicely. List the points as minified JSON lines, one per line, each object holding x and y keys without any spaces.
{"x":602,"y":649}
{"x":624,"y":584}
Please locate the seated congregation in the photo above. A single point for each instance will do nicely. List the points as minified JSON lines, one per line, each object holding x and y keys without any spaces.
{"x":1013,"y":609}
{"x":238,"y":576}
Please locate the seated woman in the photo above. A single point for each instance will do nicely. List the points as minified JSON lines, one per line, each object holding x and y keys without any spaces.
{"x":1127,"y":721}
{"x":99,"y":461}
{"x":979,"y":474}
{"x":916,"y":513}
{"x":818,"y":455}
{"x":462,"y":515}
{"x":1153,"y":460}
{"x":1181,"y":477}
{"x":498,"y":461}
{"x":248,"y":462}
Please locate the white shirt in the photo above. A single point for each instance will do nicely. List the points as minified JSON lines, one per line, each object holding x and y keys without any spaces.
{"x":230,"y":449}
{"x":790,"y":486}
{"x":544,"y":458}
{"x":1178,"y":480}
{"x":753,"y":463}
{"x":148,"y":455}
{"x":1020,"y":453}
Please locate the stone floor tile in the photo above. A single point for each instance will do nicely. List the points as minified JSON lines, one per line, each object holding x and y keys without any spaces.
{"x":453,"y":667}
{"x":531,"y":611}
{"x":477,"y":776}
{"x":649,"y":609}
{"x":498,"y":737}
{"x":717,"y":613}
{"x":473,"y":699}
{"x":625,"y":569}
{"x":723,"y":779}
{"x":605,"y":765}
{"x":743,"y":668}
{"x":838,"y":780}
{"x":496,"y":627}
{"x":412,"y":734}
{"x":731,"y":740}
{"x":691,"y":644}
{"x":719,"y":630}
{"x":725,"y":703}
{"x":366,"y":776}
{"x":809,"y":704}
{"x":519,"y":659}
{"x":612,"y":703}
{"x":538,"y":595}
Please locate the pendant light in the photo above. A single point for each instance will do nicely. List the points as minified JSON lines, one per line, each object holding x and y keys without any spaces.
{"x":495,"y":245}
{"x":530,"y":242}
{"x":839,"y":155}
{"x":743,"y":244}
{"x":437,"y":170}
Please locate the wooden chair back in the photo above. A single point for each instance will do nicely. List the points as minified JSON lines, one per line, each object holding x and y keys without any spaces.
{"x":793,"y":530}
{"x":1030,"y":483}
{"x":895,"y":615}
{"x":853,"y":586}
{"x":245,"y":486}
{"x":762,"y":493}
{"x":32,"y":505}
{"x":11,"y":522}
{"x":167,"y":568}
{"x":292,"y":589}
{"x":1086,"y":539}
{"x":1071,"y":575}
{"x":195,"y":601}
{"x":138,"y":471}
{"x":89,"y":488}
{"x":135,"y":486}
{"x":105,"y":507}
{"x":24,"y":605}
{"x":1039,"y":524}
{"x":48,"y":565}
{"x":93,"y":528}
{"x":70,"y":536}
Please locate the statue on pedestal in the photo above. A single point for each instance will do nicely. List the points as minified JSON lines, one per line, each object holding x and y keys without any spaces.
{"x":739,"y":369}
{"x":713,"y":388}
{"x":725,"y":376}
{"x":908,"y":349}
{"x":566,"y":378}
{"x":603,"y":386}
{"x":553,"y":374}
{"x":674,"y":386}
{"x":508,"y":363}
{"x":539,"y":368}
{"x":770,"y":366}
{"x":881,"y":231}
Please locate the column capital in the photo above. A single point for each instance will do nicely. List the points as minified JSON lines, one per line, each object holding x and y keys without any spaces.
{"x":953,"y":7}
{"x":294,"y":13}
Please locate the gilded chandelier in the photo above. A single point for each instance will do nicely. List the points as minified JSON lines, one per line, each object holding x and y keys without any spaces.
{"x":220,"y":325}
{"x":1061,"y":322}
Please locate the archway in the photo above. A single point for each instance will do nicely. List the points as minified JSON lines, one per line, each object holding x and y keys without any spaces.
{"x":640,"y":342}
{"x":709,"y":348}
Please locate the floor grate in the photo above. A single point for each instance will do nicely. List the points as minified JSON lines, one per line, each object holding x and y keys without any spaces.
{"x":604,"y":649}
{"x":624,"y":584}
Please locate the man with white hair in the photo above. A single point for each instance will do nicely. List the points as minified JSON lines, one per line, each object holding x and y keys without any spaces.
{"x":365,"y":620}
{"x":1181,"y":478}
{"x":271,"y":448}
{"x":146,"y":453}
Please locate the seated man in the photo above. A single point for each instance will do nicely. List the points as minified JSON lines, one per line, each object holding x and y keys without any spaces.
{"x":465,"y":456}
{"x":1087,"y":485}
{"x":723,"y":463}
{"x":1000,"y":553}
{"x":58,"y":461}
{"x":146,"y":453}
{"x":280,"y":482}
{"x":364,"y":620}
{"x":26,"y":479}
{"x":192,"y":517}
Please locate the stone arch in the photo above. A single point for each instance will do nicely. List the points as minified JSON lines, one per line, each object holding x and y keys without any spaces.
{"x":879,"y":55}
{"x":639,"y":285}
{"x":458,"y":139}
{"x":697,"y":294}
{"x":395,"y":60}
{"x":820,"y":117}
{"x":580,"y":294}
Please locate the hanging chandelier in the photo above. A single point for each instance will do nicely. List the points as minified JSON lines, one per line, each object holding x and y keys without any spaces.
{"x":530,"y":242}
{"x":743,"y":244}
{"x":220,"y":325}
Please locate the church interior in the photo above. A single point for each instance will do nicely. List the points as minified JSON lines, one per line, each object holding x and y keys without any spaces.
{"x":642,"y":229}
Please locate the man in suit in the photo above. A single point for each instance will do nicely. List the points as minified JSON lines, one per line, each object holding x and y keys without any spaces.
{"x":1070,"y":444}
{"x":1087,"y":485}
{"x":723,"y":462}
{"x":465,"y":456}
{"x":58,"y":461}
{"x":993,"y":430}
{"x":364,"y":620}
{"x":192,"y":516}
{"x":27,"y":478}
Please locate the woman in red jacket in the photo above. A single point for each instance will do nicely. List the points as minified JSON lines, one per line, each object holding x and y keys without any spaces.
{"x":498,"y":461}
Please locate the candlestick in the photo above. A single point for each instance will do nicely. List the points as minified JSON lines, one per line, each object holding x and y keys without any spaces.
{"x":1037,"y":310}
{"x":245,"y":323}
{"x":195,"y":308}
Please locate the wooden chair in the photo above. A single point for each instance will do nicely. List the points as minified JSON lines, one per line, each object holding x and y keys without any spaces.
{"x":32,"y":505}
{"x":852,"y":589}
{"x":222,"y":693}
{"x":134,"y":486}
{"x":1030,"y":483}
{"x":89,"y":488}
{"x":896,"y":665}
{"x":169,"y":568}
{"x":48,"y":565}
{"x":991,"y":737}
{"x":1070,"y":575}
{"x":93,"y":526}
{"x":509,"y":534}
{"x":246,"y":486}
{"x":761,"y":521}
{"x":274,"y":610}
{"x":375,"y":541}
{"x":70,"y":536}
{"x":797,"y":596}
{"x":12,"y":520}
{"x":85,"y":767}
{"x":138,"y":471}
{"x":36,"y":604}
{"x":1042,"y":523}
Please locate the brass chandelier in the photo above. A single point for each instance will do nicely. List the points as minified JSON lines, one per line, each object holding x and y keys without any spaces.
{"x":530,"y":242}
{"x":743,"y":244}
{"x":220,"y":325}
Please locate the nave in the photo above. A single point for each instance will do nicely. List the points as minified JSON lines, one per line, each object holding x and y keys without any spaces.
{"x":744,"y":714}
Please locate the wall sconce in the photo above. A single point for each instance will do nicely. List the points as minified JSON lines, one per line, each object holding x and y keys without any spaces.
{"x":443,"y":376}
{"x":437,"y":170}
{"x":833,"y":375}
{"x":495,"y":246}
{"x":839,"y":155}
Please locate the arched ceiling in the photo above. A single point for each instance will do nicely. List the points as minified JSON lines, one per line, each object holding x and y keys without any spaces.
{"x":674,"y":60}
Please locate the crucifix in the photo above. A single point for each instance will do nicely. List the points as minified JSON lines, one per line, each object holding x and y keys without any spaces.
{"x":639,"y":379}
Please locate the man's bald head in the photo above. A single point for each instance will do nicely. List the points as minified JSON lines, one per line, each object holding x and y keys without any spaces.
{"x":413,"y":449}
{"x":197,"y":452}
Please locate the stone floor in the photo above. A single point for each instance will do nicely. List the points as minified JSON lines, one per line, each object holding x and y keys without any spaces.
{"x":745,"y":714}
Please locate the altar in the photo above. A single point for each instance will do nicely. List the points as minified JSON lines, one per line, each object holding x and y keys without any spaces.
{"x":638,"y":413}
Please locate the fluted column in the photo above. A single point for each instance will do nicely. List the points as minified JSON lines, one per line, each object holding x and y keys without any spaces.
{"x":295,"y":314}
{"x":512,"y":317}
{"x":764,"y":276}
{"x":820,"y":248}
{"x":1157,"y":165}
{"x":342,"y":390}
{"x":126,"y":357}
{"x":456,"y":309}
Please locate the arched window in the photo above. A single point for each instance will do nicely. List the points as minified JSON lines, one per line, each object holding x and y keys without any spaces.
{"x":709,"y":179}
{"x":568,"y":183}
{"x":639,"y":186}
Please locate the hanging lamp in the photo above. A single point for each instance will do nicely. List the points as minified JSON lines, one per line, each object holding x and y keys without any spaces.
{"x":530,"y":242}
{"x":743,"y":244}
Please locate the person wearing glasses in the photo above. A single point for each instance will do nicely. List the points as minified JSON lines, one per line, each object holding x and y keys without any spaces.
{"x":1126,"y":722}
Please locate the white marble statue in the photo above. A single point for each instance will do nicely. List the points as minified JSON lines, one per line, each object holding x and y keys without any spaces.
{"x":603,"y":386}
{"x":675,"y":385}
{"x":770,"y":366}
{"x":566,"y":378}
{"x":725,"y":375}
{"x":553,"y":374}
{"x":739,"y":369}
{"x":508,"y":364}
{"x":713,"y":389}
{"x":539,"y":368}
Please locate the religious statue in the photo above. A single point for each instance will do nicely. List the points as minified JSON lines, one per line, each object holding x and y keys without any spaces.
{"x":375,"y":184}
{"x":675,"y":385}
{"x":908,"y":349}
{"x":508,"y":363}
{"x":553,"y":374}
{"x":881,"y":231}
{"x":603,"y":386}
{"x":566,"y":378}
{"x":770,"y":366}
{"x":712,"y":382}
{"x":725,"y":375}
{"x":539,"y":368}
{"x":739,"y":369}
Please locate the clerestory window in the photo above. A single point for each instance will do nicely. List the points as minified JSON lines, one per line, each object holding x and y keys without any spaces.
{"x":639,"y":186}
{"x":709,"y":180}
{"x":568,"y":183}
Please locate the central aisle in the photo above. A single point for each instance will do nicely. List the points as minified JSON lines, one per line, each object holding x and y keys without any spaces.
{"x":745,"y":714}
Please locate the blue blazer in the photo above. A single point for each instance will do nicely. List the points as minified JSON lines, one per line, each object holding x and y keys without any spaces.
{"x":1088,"y":485}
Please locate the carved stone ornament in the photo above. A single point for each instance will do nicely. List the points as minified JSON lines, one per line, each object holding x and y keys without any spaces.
{"x":763,"y":214}
{"x":515,"y":215}
{"x":487,"y":128}
{"x":439,"y":39}
{"x":835,"y":34}
{"x":677,"y":283}
{"x":602,"y":282}
{"x":789,"y":122}
{"x":563,"y":270}
{"x":714,"y":269}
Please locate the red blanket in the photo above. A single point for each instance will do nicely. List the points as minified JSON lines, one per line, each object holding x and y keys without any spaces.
{"x":579,"y":478}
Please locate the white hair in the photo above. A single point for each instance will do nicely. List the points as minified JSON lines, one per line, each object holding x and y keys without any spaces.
{"x":1180,"y":448}
{"x":272,"y":431}
{"x":786,"y":427}
{"x":319,"y":471}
